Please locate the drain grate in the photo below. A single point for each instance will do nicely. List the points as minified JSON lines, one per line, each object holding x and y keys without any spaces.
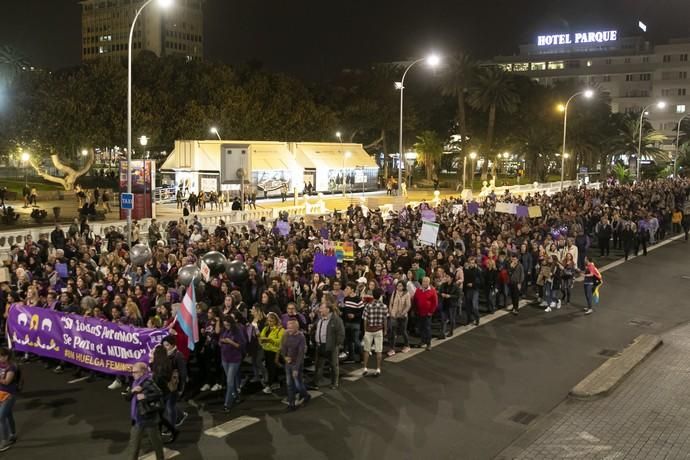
{"x":523,"y":418}
{"x":608,"y":353}
{"x":640,"y":323}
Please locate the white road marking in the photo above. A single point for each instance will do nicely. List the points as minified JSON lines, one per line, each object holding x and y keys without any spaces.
{"x":233,"y":425}
{"x":81,"y":379}
{"x":167,"y":453}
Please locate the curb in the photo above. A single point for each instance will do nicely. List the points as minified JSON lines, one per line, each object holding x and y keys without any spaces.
{"x":607,"y":376}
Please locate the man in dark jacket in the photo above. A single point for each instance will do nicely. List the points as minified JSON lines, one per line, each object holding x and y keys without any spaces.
{"x":604,"y":231}
{"x":472,"y":277}
{"x":57,"y":237}
{"x":449,"y":294}
{"x":517,"y":280}
{"x":146,"y":401}
{"x":179,"y":365}
{"x":329,"y":335}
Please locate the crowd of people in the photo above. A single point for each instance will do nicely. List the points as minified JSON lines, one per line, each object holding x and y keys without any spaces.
{"x":393,"y":295}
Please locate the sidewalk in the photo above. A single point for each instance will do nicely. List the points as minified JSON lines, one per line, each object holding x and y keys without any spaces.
{"x":646,"y":417}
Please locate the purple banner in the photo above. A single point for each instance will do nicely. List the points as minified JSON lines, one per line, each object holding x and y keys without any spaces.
{"x":522,"y":211}
{"x":325,"y":265}
{"x":428,"y":214}
{"x":87,"y":342}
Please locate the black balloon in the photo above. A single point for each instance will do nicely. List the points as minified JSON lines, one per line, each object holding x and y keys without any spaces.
{"x":237,"y":271}
{"x":215,"y":261}
{"x":188,"y":273}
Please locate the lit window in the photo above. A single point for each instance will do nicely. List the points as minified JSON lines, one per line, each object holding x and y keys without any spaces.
{"x":520,"y":66}
{"x":538,"y":65}
{"x":680,"y":108}
{"x":556,"y":65}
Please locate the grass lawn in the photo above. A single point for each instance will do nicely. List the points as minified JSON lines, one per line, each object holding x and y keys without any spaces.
{"x":15,"y":185}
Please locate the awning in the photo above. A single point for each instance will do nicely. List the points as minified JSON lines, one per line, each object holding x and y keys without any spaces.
{"x":336,"y":156}
{"x":272,"y":157}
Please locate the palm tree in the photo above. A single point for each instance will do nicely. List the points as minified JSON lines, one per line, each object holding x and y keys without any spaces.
{"x":627,"y":140}
{"x":455,"y":82}
{"x":493,"y":90}
{"x":538,"y":143}
{"x":429,"y":147}
{"x":621,"y":173}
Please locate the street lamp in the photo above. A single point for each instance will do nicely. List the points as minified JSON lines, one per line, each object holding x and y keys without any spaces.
{"x":659,"y":105}
{"x":675,"y":162}
{"x":588,"y":93}
{"x":473,"y":156}
{"x":433,"y":60}
{"x":339,"y":135}
{"x":347,"y":155}
{"x":84,"y":152}
{"x":214,"y":130}
{"x":162,"y":4}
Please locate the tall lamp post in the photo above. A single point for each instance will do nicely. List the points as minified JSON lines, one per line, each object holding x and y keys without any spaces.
{"x":432,"y":60}
{"x":162,"y":4}
{"x":675,"y":162}
{"x":473,"y":156}
{"x":659,"y":105}
{"x":215,"y":131}
{"x":588,"y":93}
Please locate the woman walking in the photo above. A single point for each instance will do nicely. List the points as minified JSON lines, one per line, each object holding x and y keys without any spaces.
{"x":9,"y":387}
{"x":270,"y":339}
{"x":399,"y":307}
{"x":162,"y":374}
{"x":232,"y":345}
{"x":591,"y":284}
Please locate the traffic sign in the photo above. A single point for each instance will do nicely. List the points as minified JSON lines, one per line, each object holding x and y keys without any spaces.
{"x":127,"y":200}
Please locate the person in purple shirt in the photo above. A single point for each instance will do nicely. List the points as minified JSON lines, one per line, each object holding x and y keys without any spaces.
{"x":293,"y":314}
{"x":292,"y":348}
{"x":232,"y":345}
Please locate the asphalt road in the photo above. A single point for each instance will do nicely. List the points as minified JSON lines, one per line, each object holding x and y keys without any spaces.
{"x":454,"y":402}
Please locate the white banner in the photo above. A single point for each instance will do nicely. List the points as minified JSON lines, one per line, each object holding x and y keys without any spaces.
{"x":429,"y":233}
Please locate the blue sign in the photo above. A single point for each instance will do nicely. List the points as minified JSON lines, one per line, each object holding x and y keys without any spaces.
{"x":127,"y":200}
{"x":584,"y":169}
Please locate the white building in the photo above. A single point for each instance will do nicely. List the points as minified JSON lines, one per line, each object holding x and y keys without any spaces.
{"x":633,"y":72}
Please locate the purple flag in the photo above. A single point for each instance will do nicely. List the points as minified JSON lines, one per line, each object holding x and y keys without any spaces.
{"x":325,"y":265}
{"x":522,"y":211}
{"x":61,"y":270}
{"x":283,"y":228}
{"x":87,"y":342}
{"x":472,"y":207}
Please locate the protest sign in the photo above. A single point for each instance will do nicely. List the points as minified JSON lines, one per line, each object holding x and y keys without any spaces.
{"x":428,"y":214}
{"x":472,"y":208}
{"x":283,"y":228}
{"x":429,"y":233}
{"x":534,"y":211}
{"x":522,"y":211}
{"x":61,"y":270}
{"x":280,"y":265}
{"x":325,"y":264}
{"x":87,"y":342}
{"x":205,"y":271}
{"x":506,"y":208}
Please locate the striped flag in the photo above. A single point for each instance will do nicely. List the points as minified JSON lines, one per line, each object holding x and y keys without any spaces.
{"x":187,"y":316}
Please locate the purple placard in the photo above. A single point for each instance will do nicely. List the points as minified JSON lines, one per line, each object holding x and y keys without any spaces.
{"x":87,"y":342}
{"x":283,"y":228}
{"x":325,"y":265}
{"x":522,"y":211}
{"x":428,"y":214}
{"x":324,"y":233}
{"x":61,"y":270}
{"x":472,"y":207}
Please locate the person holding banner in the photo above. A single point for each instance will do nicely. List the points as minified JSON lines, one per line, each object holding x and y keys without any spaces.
{"x":9,"y":387}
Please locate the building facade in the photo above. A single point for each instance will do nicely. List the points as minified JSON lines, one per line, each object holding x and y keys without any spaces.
{"x":106,"y":24}
{"x":630,"y":70}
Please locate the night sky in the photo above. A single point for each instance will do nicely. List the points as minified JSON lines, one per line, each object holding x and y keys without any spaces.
{"x":315,"y":38}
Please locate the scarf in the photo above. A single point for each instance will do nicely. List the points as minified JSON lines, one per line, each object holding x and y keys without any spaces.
{"x":136,"y":383}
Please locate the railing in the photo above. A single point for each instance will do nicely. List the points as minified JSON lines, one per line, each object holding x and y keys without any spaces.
{"x":548,"y":187}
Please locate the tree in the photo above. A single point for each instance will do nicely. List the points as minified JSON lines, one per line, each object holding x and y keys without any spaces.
{"x":455,"y":82}
{"x":493,"y":90}
{"x":429,"y":147}
{"x":627,"y":140}
{"x":538,"y":142}
{"x":621,"y":173}
{"x":71,"y":174}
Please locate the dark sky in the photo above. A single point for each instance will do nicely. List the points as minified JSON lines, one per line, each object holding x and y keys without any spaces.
{"x":309,"y":37}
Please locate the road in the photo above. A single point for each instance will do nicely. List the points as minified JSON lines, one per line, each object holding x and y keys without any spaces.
{"x":453,"y":402}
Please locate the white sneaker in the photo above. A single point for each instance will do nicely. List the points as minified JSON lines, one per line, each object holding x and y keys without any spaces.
{"x":342,"y":355}
{"x":115,"y":385}
{"x":552,"y":305}
{"x":267,"y":390}
{"x":548,"y":309}
{"x":206,"y":387}
{"x":216,"y":387}
{"x":558,"y":304}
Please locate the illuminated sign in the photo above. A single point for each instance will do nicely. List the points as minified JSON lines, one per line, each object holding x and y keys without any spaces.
{"x":602,"y":36}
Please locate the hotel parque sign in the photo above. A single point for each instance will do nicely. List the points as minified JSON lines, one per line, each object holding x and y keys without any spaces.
{"x":601,"y":36}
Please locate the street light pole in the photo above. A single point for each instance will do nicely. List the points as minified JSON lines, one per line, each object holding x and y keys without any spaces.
{"x":675,"y":162}
{"x":473,"y":155}
{"x":661,"y":105}
{"x":214,"y":130}
{"x":433,"y":61}
{"x":588,"y":93}
{"x":164,"y":4}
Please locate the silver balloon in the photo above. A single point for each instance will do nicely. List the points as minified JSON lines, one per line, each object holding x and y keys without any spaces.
{"x":139,"y":254}
{"x":186,"y":274}
{"x":215,"y":261}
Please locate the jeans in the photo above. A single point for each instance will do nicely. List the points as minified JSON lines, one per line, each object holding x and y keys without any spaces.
{"x":398,"y":326}
{"x":232,"y":372}
{"x":154,"y":436}
{"x":353,"y":341}
{"x":491,"y":296}
{"x":447,"y":315}
{"x":549,"y":295}
{"x":7,"y":426}
{"x":472,"y":304}
{"x":425,"y":329}
{"x":589,"y":290}
{"x":171,"y":407}
{"x":294,"y":384}
{"x":515,"y":295}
